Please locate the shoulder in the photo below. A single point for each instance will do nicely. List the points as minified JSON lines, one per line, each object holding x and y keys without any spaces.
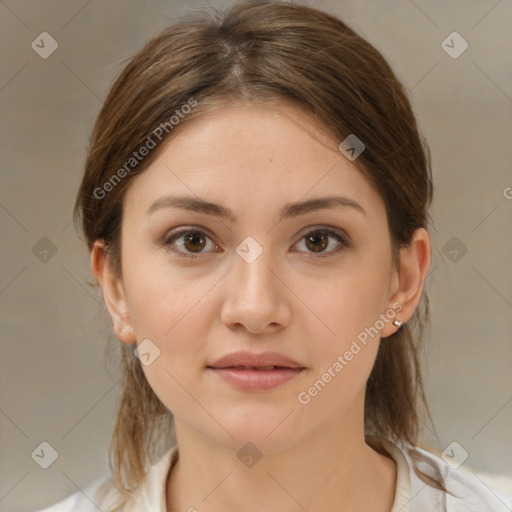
{"x":97,"y":496}
{"x":467,"y":490}
{"x":103,"y":495}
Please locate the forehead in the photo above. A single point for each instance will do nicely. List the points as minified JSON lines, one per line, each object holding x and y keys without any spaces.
{"x":252,"y":156}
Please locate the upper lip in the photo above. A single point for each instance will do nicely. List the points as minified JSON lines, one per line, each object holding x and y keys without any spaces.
{"x":253,"y":360}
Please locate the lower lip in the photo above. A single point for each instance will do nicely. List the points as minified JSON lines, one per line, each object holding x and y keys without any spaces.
{"x":256,"y":380}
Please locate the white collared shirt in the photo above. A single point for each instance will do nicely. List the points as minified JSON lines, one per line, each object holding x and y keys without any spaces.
{"x":411,"y":493}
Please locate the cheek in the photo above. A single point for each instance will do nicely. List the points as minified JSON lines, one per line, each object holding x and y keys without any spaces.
{"x":345,"y":345}
{"x":346,"y":308}
{"x":174,"y":312}
{"x":347,"y":303}
{"x":161,"y":296}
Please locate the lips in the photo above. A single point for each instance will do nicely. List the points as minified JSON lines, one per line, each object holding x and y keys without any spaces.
{"x":255,"y":361}
{"x":247,"y":371}
{"x":254,"y":367}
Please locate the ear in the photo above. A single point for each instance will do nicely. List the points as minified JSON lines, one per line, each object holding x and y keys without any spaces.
{"x":408,"y":280}
{"x":113,"y":293}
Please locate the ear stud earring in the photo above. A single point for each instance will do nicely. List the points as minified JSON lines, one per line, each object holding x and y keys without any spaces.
{"x":398,"y":324}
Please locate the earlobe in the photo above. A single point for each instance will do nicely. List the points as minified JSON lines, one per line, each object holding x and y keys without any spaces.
{"x":113,"y":293}
{"x":414,"y":265}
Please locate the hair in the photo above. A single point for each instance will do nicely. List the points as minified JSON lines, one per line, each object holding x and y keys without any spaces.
{"x":262,"y":51}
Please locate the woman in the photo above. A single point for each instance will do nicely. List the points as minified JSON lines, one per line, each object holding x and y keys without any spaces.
{"x":255,"y":200}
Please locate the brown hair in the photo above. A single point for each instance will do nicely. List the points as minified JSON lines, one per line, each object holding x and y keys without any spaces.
{"x":262,"y":51}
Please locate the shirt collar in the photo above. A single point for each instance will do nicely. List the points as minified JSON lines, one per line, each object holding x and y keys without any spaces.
{"x":403,"y":477}
{"x":152,"y":493}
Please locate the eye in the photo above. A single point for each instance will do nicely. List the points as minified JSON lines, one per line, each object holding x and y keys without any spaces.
{"x":193,"y":242}
{"x":317,"y":241}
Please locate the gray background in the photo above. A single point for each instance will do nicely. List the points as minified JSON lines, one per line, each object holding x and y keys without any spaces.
{"x":54,"y":386}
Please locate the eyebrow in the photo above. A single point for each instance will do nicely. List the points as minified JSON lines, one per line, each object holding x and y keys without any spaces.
{"x":289,"y":210}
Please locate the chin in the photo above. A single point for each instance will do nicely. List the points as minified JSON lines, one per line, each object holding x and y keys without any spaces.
{"x":271,"y":429}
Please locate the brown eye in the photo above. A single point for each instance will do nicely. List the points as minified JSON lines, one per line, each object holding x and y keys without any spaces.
{"x":317,"y":242}
{"x":194,"y":241}
{"x":188,"y":242}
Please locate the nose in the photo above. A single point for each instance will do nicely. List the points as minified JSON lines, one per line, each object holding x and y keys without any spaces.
{"x":256,"y":298}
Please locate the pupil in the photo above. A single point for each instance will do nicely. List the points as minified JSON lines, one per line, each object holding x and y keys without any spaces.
{"x":315,"y":239}
{"x":193,"y":238}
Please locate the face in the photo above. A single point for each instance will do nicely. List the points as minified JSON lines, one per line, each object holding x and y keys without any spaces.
{"x":304,"y":282}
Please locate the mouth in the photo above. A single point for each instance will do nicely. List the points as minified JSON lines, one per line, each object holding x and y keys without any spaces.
{"x":255,"y":378}
{"x":249,"y":371}
{"x":257,"y":368}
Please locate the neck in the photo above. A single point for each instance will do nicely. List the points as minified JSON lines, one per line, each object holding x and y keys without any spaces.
{"x":332,"y":469}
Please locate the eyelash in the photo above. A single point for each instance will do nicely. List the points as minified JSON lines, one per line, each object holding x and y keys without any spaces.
{"x":170,"y":239}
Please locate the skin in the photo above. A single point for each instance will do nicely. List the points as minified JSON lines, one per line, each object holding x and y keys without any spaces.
{"x":253,"y":159}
